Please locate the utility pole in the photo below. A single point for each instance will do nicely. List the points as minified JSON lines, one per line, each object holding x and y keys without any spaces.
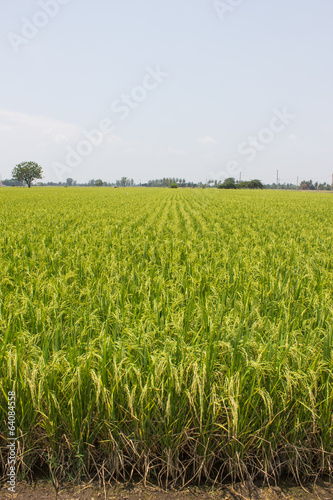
{"x":332,"y":183}
{"x":277,"y":179}
{"x":297,"y":183}
{"x":240,"y":176}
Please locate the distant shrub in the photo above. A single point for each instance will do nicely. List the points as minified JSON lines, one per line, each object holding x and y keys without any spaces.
{"x":253,"y":184}
{"x":228,"y":184}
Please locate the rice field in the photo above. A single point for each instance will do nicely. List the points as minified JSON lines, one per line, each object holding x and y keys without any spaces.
{"x":170,"y":335}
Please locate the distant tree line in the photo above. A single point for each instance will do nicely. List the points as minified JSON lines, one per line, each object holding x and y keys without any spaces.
{"x":285,"y":185}
{"x":26,"y":172}
{"x":11,"y":182}
{"x":309,"y":185}
{"x":304,"y":186}
{"x":231,"y":183}
{"x":168,"y":181}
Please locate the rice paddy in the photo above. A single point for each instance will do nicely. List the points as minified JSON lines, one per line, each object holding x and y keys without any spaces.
{"x":169,"y":335}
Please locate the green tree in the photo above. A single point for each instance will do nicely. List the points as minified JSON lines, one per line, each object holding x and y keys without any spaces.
{"x":253,"y":184}
{"x":308,"y":185}
{"x":243,"y":185}
{"x":228,"y":183}
{"x":69,"y":181}
{"x":27,"y":171}
{"x":99,"y":183}
{"x":256,"y":184}
{"x":173,"y":185}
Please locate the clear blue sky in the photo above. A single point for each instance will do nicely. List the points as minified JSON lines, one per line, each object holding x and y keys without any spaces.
{"x":187,"y":88}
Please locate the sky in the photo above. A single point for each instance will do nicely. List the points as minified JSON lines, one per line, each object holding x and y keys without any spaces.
{"x":194,"y":89}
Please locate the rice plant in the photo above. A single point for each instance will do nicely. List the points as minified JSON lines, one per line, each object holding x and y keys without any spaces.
{"x":171,"y":335}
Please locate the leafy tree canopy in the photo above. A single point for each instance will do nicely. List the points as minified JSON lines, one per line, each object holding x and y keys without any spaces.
{"x":228,"y":183}
{"x":27,"y":171}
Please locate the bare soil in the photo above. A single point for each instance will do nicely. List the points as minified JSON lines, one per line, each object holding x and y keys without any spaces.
{"x":44,"y":490}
